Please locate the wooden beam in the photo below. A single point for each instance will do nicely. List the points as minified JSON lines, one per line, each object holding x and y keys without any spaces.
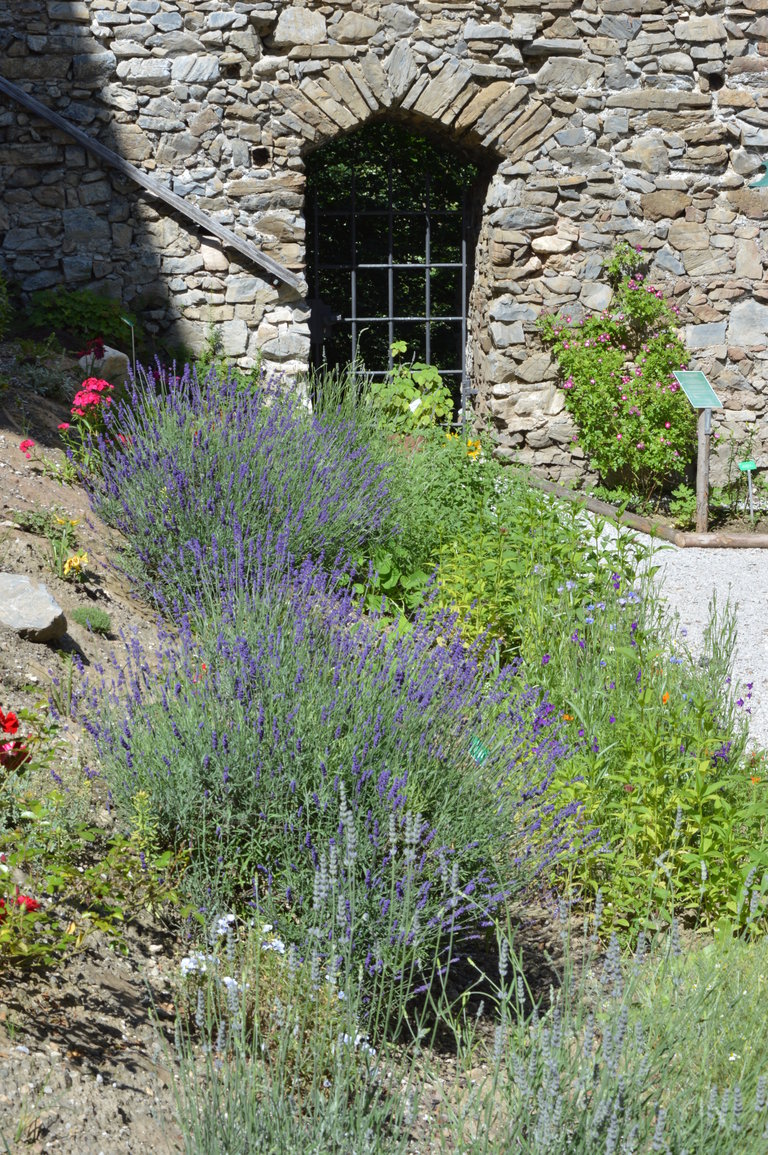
{"x":155,"y":187}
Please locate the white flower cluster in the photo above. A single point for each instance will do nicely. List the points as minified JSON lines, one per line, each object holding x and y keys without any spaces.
{"x":359,"y":1042}
{"x":198,"y":963}
{"x":224,"y":925}
{"x":273,"y":943}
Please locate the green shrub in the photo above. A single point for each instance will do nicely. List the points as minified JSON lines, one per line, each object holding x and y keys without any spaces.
{"x":635,"y":423}
{"x":93,"y":618}
{"x":412,"y":396}
{"x":83,"y":313}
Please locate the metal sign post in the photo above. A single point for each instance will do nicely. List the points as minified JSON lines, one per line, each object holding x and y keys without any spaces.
{"x":747,"y":467}
{"x":701,"y":396}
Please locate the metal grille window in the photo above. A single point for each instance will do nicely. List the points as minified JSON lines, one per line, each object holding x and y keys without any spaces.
{"x":388,"y":244}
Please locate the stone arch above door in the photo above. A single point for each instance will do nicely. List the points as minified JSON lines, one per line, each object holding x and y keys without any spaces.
{"x":501,"y":117}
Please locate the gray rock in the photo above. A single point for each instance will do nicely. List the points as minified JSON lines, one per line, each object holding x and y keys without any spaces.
{"x":82,"y":227}
{"x":536,"y":368}
{"x":503,"y":335}
{"x":93,"y":65}
{"x":285,"y":346}
{"x":748,"y":324}
{"x":566,"y":74}
{"x":701,"y":30}
{"x":595,"y":296}
{"x":195,"y":69}
{"x":620,"y":27}
{"x":112,"y":367}
{"x":665,"y":259}
{"x":506,"y":309}
{"x":354,"y":28}
{"x":299,"y":26}
{"x":704,"y":336}
{"x":399,"y":19}
{"x":167,"y":21}
{"x":475,"y":30}
{"x":401,"y":69}
{"x":150,"y":71}
{"x":28,"y":608}
{"x":234,"y":337}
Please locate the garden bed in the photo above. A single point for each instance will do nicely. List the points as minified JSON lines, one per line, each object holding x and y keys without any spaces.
{"x":606,"y":710}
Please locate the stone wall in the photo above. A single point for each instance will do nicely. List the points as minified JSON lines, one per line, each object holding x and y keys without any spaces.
{"x":641,"y":120}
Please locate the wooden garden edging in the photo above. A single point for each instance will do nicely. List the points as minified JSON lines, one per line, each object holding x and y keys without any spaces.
{"x":654,"y":528}
{"x":155,"y":187}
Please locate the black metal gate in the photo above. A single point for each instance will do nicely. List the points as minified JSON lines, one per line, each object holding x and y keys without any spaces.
{"x":394,"y":270}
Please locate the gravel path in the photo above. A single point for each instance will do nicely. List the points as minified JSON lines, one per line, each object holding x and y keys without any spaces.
{"x":687,"y":578}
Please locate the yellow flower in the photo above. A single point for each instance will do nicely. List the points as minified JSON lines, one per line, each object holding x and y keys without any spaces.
{"x":68,"y":521}
{"x":75,"y":563}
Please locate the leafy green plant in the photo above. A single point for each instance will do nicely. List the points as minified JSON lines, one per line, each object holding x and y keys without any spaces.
{"x":682,"y":506}
{"x":93,"y":618}
{"x":412,"y":396}
{"x":82,"y":313}
{"x":635,"y":424}
{"x":67,"y":562}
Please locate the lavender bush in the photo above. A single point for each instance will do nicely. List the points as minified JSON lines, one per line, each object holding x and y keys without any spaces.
{"x":300,"y":750}
{"x":183,"y":458}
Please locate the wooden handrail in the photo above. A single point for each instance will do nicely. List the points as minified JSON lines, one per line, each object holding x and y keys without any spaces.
{"x":154,"y":187}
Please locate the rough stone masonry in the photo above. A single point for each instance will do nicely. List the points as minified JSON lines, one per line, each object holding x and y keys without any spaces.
{"x":641,"y":120}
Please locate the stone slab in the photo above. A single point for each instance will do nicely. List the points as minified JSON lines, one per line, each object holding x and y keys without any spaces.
{"x":27,"y":608}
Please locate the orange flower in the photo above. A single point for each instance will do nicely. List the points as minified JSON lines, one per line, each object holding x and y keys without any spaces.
{"x":567,"y":717}
{"x":665,"y":698}
{"x":754,"y":780}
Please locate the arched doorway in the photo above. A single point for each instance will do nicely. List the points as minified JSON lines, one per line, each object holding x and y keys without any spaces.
{"x":391,"y":225}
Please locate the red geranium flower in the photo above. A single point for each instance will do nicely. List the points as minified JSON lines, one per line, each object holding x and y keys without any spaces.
{"x":9,"y":723}
{"x":24,"y":900}
{"x":25,"y":447}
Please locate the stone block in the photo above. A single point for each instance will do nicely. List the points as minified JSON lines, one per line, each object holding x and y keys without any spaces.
{"x":649,"y":154}
{"x":700,"y":30}
{"x":93,"y":66}
{"x":536,"y":368}
{"x":567,"y":74}
{"x":243,"y":288}
{"x":195,"y":69}
{"x":354,"y":28}
{"x":234,"y":337}
{"x":506,"y":334}
{"x":27,"y":608}
{"x":596,"y":296}
{"x":287,"y":345}
{"x":299,"y":26}
{"x":664,"y":204}
{"x":705,"y":336}
{"x":150,"y":72}
{"x":748,"y":324}
{"x":401,"y":69}
{"x":86,"y":229}
{"x":683,"y":236}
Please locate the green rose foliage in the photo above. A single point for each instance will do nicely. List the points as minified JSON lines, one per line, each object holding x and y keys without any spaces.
{"x":635,"y":423}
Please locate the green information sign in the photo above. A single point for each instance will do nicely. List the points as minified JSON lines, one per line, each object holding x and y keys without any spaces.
{"x":478,"y":751}
{"x":747,"y":466}
{"x":698,"y":390}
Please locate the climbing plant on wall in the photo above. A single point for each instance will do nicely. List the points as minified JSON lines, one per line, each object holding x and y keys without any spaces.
{"x":634,"y":422}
